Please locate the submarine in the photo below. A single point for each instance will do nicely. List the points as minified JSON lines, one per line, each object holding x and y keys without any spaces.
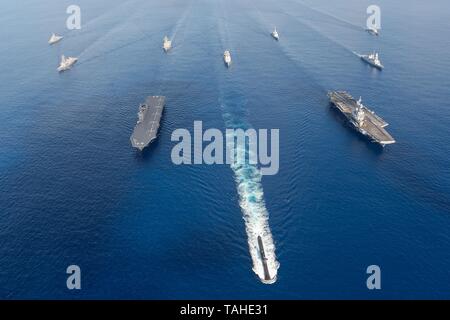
{"x":267,"y":277}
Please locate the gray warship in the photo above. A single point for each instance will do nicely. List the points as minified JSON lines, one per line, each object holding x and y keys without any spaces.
{"x":362,"y":118}
{"x":373,"y":59}
{"x":264,"y":260}
{"x":147,"y":126}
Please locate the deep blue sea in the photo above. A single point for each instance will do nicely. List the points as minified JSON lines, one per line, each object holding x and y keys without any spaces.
{"x":74,"y":191}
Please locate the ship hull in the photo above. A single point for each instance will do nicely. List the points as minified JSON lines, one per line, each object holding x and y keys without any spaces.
{"x":372,"y":127}
{"x":146,"y":130}
{"x":227,"y":58}
{"x":262,"y":255}
{"x":54,"y":41}
{"x":373,"y":32}
{"x":379,"y":67}
{"x":67,"y":67}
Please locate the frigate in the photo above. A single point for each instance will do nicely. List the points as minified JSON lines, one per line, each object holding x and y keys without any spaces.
{"x":54,"y":39}
{"x":66,"y":63}
{"x":275,"y":34}
{"x":147,"y":126}
{"x":167,"y":44}
{"x":227,"y":58}
{"x":362,"y":118}
{"x":373,"y":31}
{"x":373,"y":59}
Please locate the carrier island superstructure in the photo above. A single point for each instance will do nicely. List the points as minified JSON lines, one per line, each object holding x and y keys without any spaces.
{"x":362,"y":118}
{"x":147,"y":126}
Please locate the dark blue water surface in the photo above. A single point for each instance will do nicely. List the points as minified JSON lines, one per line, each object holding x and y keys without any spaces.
{"x":73,"y":191}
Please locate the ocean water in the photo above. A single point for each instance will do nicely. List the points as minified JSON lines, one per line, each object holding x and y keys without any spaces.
{"x":73,"y":191}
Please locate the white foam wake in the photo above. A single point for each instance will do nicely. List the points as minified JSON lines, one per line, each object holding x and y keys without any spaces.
{"x":256,"y":217}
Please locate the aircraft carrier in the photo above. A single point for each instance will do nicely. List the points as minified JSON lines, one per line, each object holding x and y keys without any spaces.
{"x":146,"y":128}
{"x":363,"y":119}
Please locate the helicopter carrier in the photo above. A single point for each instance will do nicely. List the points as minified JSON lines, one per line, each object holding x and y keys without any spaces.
{"x":147,"y":126}
{"x":362,"y":118}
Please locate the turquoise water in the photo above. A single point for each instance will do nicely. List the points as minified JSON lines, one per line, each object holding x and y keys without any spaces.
{"x":73,"y":191}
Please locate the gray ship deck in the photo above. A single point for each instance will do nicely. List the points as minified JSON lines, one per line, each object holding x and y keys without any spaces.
{"x":147,"y":129}
{"x":373,"y":126}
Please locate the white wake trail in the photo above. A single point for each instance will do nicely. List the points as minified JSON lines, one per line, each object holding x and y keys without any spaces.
{"x":253,"y":207}
{"x":247,"y":175}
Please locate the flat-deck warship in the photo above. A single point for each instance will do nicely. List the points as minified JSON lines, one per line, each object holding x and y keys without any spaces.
{"x":147,"y":126}
{"x":362,"y":118}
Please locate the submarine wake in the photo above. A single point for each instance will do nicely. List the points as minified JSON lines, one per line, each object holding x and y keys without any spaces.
{"x":252,"y":204}
{"x":247,"y":175}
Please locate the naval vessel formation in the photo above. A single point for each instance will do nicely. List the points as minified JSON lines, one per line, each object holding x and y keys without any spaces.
{"x":363,"y":119}
{"x":149,"y":116}
{"x":147,"y":126}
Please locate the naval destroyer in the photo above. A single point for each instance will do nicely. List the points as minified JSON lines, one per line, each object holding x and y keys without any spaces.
{"x":66,"y":63}
{"x":275,"y":34}
{"x":373,"y":59}
{"x":147,"y":126}
{"x":362,"y":118}
{"x":167,"y":44}
{"x":373,"y":31}
{"x":227,"y":58}
{"x":54,"y":39}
